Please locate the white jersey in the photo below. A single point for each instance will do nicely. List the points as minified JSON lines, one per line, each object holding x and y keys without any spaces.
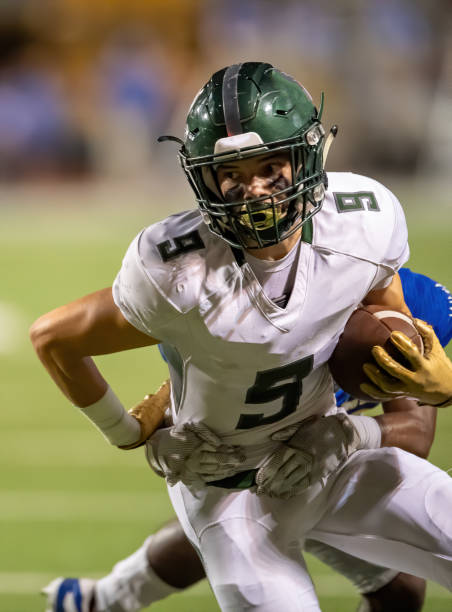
{"x":238,"y":362}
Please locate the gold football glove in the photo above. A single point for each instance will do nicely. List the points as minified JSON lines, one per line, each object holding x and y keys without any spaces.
{"x":429,"y":380}
{"x":150,"y":413}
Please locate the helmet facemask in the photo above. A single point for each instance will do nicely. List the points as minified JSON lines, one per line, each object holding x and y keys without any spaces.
{"x":254,"y":223}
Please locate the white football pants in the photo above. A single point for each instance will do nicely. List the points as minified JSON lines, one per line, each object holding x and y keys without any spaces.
{"x":386,"y":506}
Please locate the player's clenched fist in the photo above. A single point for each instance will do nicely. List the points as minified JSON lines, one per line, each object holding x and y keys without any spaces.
{"x":192,"y":453}
{"x":429,"y":378}
{"x":312,"y":450}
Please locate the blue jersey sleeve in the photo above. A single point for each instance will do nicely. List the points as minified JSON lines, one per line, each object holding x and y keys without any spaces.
{"x":351,"y":404}
{"x":429,"y":301}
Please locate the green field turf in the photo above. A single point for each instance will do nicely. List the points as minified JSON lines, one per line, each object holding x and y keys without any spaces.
{"x":70,"y":504}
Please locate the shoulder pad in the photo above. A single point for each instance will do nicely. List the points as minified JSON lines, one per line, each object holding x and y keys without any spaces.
{"x":184,"y":260}
{"x":361,"y":218}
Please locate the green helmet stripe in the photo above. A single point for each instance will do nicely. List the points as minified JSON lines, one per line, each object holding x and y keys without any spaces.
{"x":231,"y":100}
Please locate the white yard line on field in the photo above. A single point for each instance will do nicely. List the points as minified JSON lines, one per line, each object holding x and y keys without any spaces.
{"x":23,"y":583}
{"x":15,"y":583}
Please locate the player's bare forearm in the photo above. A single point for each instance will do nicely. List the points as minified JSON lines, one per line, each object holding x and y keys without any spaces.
{"x":391,"y":297}
{"x":407,"y":425}
{"x":78,"y":378}
{"x":66,"y":338}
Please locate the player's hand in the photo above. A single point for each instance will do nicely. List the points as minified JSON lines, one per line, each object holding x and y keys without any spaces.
{"x":311,"y":451}
{"x":150,"y":413}
{"x":429,"y":380}
{"x":193,"y":454}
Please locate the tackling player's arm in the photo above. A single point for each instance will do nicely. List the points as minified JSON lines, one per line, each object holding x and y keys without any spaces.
{"x":67,"y":338}
{"x":407,"y":425}
{"x":313,"y":449}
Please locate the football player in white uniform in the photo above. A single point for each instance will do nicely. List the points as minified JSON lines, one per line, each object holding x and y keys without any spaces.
{"x":249,"y":295}
{"x":167,"y":563}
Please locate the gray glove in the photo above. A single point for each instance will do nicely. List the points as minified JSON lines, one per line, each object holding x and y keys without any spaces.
{"x":312,"y":450}
{"x":193,"y":454}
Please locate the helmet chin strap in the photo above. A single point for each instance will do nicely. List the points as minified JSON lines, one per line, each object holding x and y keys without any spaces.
{"x":329,"y":141}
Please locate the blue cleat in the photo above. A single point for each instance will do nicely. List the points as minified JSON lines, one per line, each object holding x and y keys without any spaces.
{"x":69,"y":595}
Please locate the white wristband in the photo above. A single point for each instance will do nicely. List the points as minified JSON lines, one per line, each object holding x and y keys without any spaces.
{"x":368,"y":430}
{"x":111,"y":418}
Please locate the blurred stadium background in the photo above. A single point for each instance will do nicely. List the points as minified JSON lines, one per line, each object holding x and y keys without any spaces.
{"x":85,"y":89}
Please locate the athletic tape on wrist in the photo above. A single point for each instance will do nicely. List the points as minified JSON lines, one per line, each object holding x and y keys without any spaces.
{"x":112,"y":420}
{"x":368,"y":430}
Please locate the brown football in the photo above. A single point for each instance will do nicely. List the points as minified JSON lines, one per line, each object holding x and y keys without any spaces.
{"x":368,"y":326}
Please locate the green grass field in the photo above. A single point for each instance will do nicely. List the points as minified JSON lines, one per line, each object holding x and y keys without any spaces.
{"x":70,"y":504}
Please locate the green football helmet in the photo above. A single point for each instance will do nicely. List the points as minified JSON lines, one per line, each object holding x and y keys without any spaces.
{"x":248,"y":110}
